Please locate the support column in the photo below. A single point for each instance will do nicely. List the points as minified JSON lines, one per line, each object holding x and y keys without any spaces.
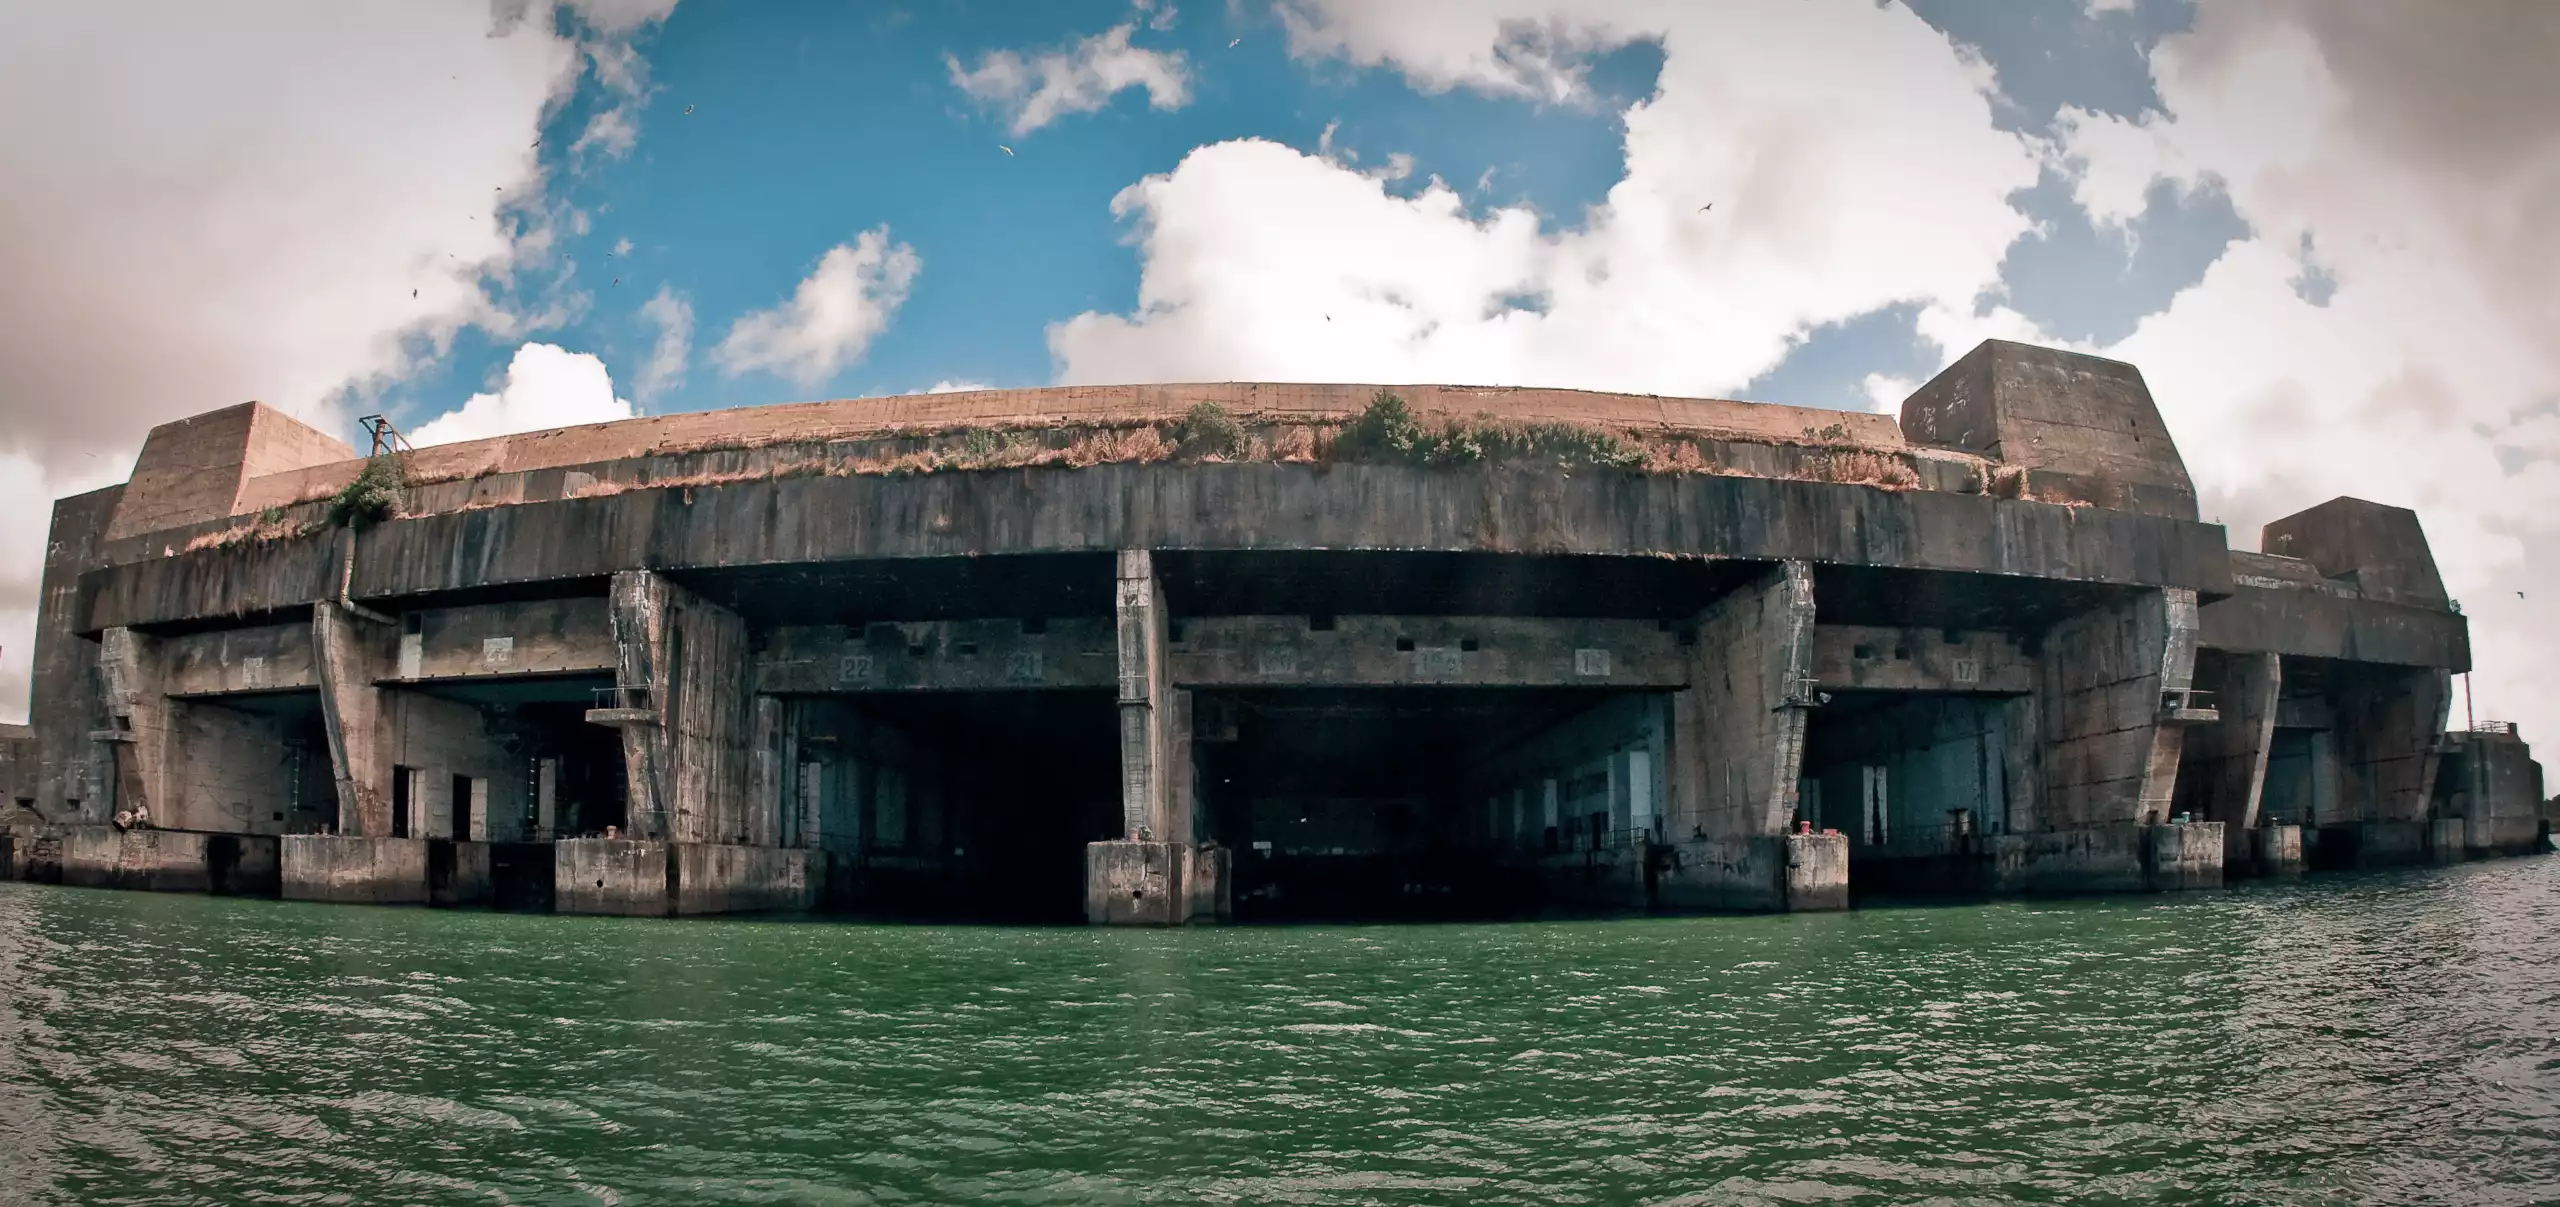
{"x":2236,"y":749}
{"x":352,"y":654}
{"x":136,"y":736}
{"x":1144,"y":877}
{"x":682,"y":703}
{"x":1735,"y":747}
{"x":2390,"y":726}
{"x":2112,"y":699}
{"x":361,"y":863}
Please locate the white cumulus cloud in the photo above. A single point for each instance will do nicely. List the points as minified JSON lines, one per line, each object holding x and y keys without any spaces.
{"x":546,"y":386}
{"x":830,"y":319}
{"x":1045,"y":86}
{"x":673,"y":349}
{"x":1847,"y":150}
{"x":2413,"y":156}
{"x":273,"y":199}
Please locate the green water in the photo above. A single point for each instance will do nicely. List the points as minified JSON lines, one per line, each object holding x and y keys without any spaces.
{"x":2375,"y":1038}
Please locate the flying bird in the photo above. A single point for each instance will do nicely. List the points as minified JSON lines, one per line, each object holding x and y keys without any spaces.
{"x":688,"y":111}
{"x":1001,"y":147}
{"x":413,"y":293}
{"x":1708,"y":206}
{"x":1232,"y":45}
{"x":617,"y":280}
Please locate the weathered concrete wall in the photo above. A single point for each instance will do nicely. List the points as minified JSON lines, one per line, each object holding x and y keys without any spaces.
{"x":193,"y":469}
{"x":2084,"y":859}
{"x":163,"y":861}
{"x":267,"y":657}
{"x":1211,"y":883}
{"x":458,"y":873}
{"x":624,"y":876}
{"x":235,"y":774}
{"x":1737,"y":733}
{"x":524,"y":637}
{"x":136,"y":730}
{"x":727,"y":879}
{"x":2390,"y":722}
{"x":439,"y":739}
{"x":352,"y":653}
{"x":1416,"y":651}
{"x":2275,"y":852}
{"x":1501,"y":509}
{"x":355,"y":870}
{"x":1148,"y":810}
{"x":2223,"y":766}
{"x":2319,"y":624}
{"x":1132,"y":883}
{"x":2112,"y":682}
{"x":63,"y":701}
{"x":2081,"y":426}
{"x":2382,"y":551}
{"x":959,"y":655}
{"x":1869,"y":658}
{"x":2184,"y":856}
{"x":2498,"y":798}
{"x":1743,"y":873}
{"x":1817,"y":872}
{"x":684,"y":660}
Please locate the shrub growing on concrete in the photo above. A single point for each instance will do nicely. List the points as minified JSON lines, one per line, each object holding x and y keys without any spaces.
{"x":1387,"y":432}
{"x":1208,"y":430}
{"x":373,"y":497}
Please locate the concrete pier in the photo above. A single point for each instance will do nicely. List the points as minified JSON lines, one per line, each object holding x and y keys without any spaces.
{"x":1056,"y":655}
{"x":354,"y":870}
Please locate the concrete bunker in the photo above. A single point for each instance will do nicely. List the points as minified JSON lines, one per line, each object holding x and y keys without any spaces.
{"x":949,"y":804}
{"x":1423,"y":801}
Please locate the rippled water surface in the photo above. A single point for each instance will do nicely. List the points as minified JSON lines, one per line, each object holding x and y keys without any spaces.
{"x":2376,"y":1038}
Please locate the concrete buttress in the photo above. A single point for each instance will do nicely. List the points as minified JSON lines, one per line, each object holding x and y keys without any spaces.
{"x":680,"y":666}
{"x":1735,"y":746}
{"x":352,"y":654}
{"x":136,"y":735}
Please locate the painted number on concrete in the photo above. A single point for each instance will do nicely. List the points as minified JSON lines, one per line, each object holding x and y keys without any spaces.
{"x":1024,"y":666}
{"x":498,"y":651}
{"x":1277,"y":660}
{"x":1436,"y":660}
{"x":253,"y":670}
{"x":855,"y":669}
{"x":1591,"y":662}
{"x":1968,"y":670}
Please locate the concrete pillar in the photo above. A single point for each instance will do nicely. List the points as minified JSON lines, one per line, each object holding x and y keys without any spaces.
{"x":1733,"y":751}
{"x":2390,"y":725}
{"x":1147,"y":876}
{"x":2112,"y":712}
{"x":2234,"y":751}
{"x":680,"y":667}
{"x":352,"y":653}
{"x":1145,"y":796}
{"x":136,"y":735}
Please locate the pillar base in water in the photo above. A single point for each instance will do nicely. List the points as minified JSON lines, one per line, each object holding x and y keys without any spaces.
{"x":2275,"y":852}
{"x":644,"y":878}
{"x":169,"y":861}
{"x":2126,"y":858}
{"x":1132,"y":883}
{"x":351,"y":870}
{"x":1777,"y":873}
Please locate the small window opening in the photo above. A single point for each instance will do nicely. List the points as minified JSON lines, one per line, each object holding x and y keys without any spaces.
{"x":1404,"y":645}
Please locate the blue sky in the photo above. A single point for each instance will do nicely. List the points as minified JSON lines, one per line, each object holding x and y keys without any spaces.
{"x":810,"y":124}
{"x":2321,"y":230}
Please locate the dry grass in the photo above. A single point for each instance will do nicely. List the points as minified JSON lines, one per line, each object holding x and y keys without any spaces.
{"x":268,"y":526}
{"x":1866,"y":468}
